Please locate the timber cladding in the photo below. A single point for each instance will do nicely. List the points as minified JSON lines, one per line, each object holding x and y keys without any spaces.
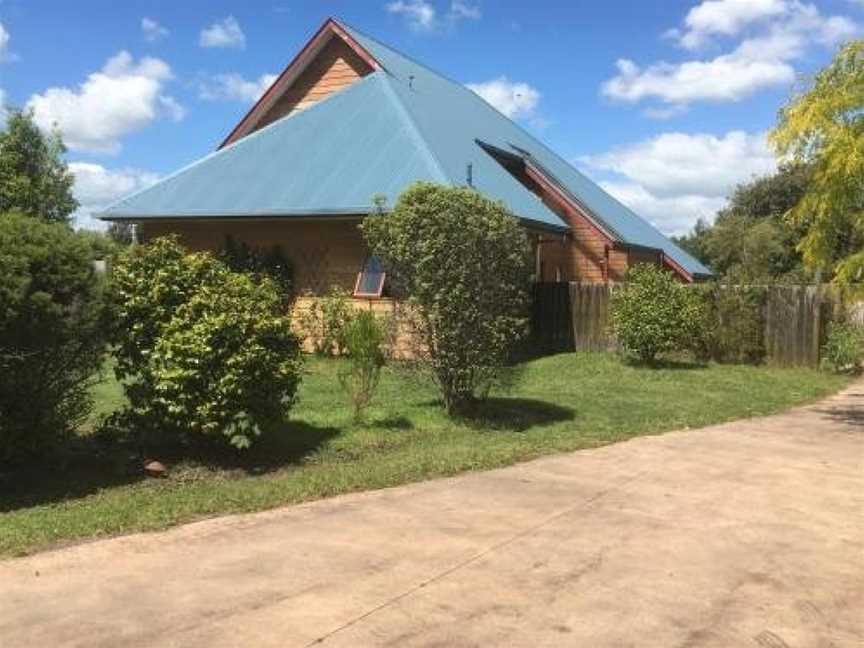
{"x":336,"y":66}
{"x":324,"y":253}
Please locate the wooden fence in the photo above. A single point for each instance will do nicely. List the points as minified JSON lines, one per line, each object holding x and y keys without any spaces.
{"x":576,"y":317}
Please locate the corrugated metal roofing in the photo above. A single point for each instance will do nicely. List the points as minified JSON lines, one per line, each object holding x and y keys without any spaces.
{"x":331,"y":158}
{"x":396,"y":126}
{"x":451,"y":118}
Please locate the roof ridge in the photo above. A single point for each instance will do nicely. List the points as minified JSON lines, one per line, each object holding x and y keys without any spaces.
{"x":251,"y":137}
{"x":468,"y":92}
{"x":414,"y":127}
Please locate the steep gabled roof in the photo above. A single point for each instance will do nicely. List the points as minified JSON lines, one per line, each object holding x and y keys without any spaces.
{"x":401,"y":123}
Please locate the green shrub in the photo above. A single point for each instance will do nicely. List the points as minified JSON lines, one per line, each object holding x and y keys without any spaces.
{"x":653,"y":313}
{"x":464,"y":264}
{"x":53,"y":330}
{"x":324,"y":321}
{"x":843,"y":351}
{"x":202,"y":351}
{"x":271,"y":262}
{"x":364,"y":337}
{"x":734,"y":327}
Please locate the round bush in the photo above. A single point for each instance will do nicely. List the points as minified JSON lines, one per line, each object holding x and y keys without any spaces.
{"x":202,"y":351}
{"x":654,"y":313}
{"x":53,"y":330}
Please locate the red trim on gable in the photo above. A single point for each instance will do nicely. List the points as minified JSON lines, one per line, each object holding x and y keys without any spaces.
{"x":673,"y":265}
{"x":361,"y":51}
{"x":547,"y":185}
{"x":330,"y":28}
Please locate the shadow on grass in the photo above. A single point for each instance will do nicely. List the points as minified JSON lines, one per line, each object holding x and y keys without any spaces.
{"x":664,"y":363}
{"x":92,"y":465}
{"x":516,"y":414}
{"x":392,"y":423}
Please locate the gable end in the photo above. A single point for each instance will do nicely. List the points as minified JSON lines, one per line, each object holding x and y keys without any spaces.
{"x":330,"y":61}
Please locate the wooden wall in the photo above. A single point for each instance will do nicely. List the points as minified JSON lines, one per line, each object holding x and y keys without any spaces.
{"x":336,"y":66}
{"x":324,"y":253}
{"x":588,"y":255}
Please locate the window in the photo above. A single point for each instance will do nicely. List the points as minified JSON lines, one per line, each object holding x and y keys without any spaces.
{"x":370,"y":280}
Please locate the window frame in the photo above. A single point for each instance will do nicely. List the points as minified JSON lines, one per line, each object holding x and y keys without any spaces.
{"x":363,"y":270}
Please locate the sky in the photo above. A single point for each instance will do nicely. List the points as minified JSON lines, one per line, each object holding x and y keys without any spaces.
{"x":665,"y":103}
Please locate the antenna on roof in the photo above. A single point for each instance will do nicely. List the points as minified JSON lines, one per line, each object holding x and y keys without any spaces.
{"x":411,"y":82}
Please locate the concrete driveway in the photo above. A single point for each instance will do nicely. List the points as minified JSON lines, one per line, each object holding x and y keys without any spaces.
{"x":745,"y":534}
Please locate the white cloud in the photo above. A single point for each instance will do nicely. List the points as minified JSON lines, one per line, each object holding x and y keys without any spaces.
{"x":4,"y":41}
{"x":673,"y":216}
{"x":233,"y":87}
{"x":773,"y":35}
{"x":420,"y":15}
{"x":675,"y":178}
{"x":459,"y":9}
{"x":725,"y":78}
{"x":513,"y":99}
{"x":123,"y":97}
{"x":152,"y":30}
{"x":726,"y":17}
{"x":5,"y":55}
{"x":223,"y":34}
{"x":97,"y":187}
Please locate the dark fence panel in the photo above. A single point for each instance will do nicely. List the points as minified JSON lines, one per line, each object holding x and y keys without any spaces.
{"x":551,"y":322}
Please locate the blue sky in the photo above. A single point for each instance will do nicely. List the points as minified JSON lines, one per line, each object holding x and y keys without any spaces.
{"x":665,"y":103}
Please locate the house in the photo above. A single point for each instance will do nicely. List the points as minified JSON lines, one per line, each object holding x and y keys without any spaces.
{"x":350,"y":119}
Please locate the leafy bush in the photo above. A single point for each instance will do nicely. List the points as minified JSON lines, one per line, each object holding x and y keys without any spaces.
{"x":843,"y":351}
{"x":324,"y":321}
{"x":364,"y":337}
{"x":734,"y":326}
{"x":654,"y":313}
{"x":202,"y":351}
{"x":464,"y":264}
{"x":53,"y":331}
{"x":241,"y":257}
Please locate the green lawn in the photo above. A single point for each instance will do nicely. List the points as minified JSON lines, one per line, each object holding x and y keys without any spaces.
{"x":563,"y":402}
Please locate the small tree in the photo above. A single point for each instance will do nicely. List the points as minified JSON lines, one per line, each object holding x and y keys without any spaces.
{"x":824,"y":128}
{"x":364,"y":338}
{"x":653,"y":313}
{"x":325,"y":319}
{"x":202,"y":351}
{"x":34,"y":178}
{"x":843,"y":351}
{"x":53,"y":332}
{"x":464,"y":265}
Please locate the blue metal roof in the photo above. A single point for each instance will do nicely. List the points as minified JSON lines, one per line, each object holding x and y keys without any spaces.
{"x":451,"y":118}
{"x":395,"y":126}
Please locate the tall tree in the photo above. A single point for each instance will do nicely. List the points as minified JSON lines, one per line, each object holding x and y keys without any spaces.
{"x":34,"y":178}
{"x":751,"y":238}
{"x":823,"y":126}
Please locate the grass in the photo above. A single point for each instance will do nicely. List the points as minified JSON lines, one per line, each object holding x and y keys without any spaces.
{"x":564,"y":402}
